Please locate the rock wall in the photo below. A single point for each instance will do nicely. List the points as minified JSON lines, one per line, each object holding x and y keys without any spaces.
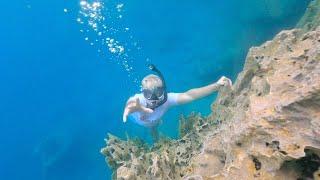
{"x":271,"y":117}
{"x":311,"y":19}
{"x":267,"y":126}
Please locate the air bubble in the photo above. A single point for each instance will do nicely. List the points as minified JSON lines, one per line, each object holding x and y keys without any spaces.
{"x":83,"y":3}
{"x":98,"y":19}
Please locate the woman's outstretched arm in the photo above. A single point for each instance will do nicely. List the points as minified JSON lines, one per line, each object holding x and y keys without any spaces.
{"x":197,"y":93}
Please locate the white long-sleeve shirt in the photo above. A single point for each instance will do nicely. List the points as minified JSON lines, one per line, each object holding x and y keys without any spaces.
{"x":152,"y":119}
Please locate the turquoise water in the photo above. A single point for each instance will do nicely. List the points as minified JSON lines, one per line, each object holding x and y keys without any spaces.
{"x":60,"y":95}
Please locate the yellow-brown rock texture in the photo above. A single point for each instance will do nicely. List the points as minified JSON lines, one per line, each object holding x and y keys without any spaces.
{"x":271,"y":118}
{"x":267,"y":126}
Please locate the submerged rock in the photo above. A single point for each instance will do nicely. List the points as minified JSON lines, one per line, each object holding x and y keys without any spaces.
{"x":271,"y":117}
{"x":267,"y":126}
{"x":311,"y":19}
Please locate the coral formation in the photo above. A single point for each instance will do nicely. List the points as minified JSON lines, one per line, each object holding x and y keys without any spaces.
{"x":267,"y":126}
{"x":167,"y":159}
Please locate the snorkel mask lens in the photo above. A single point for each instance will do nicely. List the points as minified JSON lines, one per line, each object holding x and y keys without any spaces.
{"x":157,"y":96}
{"x":154,"y":94}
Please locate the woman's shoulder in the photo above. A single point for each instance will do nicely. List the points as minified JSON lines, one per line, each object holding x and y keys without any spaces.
{"x":173,"y":98}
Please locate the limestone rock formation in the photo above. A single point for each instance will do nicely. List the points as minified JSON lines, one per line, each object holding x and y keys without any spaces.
{"x":267,"y":126}
{"x":271,"y":117}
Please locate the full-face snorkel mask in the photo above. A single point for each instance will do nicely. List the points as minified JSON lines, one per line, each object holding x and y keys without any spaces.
{"x":157,"y":96}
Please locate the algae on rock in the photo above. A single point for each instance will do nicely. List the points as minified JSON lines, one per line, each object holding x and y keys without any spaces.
{"x":166,"y":159}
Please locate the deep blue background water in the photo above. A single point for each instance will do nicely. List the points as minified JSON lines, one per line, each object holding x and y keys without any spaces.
{"x":60,"y":98}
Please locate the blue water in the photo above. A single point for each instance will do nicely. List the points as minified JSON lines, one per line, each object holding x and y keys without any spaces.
{"x":60,"y":97}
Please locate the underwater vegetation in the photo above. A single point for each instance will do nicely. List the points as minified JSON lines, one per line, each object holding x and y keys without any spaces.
{"x":266,"y":127}
{"x":163,"y":160}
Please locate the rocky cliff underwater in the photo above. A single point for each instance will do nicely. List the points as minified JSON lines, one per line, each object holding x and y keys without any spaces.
{"x":267,"y":126}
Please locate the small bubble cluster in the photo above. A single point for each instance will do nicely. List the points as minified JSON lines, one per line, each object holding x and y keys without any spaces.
{"x":102,"y":27}
{"x":119,"y":7}
{"x":114,"y":46}
{"x":92,"y":15}
{"x":92,"y":12}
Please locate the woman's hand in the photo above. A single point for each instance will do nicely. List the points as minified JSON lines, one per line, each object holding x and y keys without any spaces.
{"x":134,"y":106}
{"x":224,"y":81}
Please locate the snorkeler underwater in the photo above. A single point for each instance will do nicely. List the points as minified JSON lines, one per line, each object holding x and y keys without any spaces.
{"x":160,"y":90}
{"x":148,"y":107}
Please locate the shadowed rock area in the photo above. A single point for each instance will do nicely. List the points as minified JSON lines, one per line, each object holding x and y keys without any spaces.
{"x":267,"y":126}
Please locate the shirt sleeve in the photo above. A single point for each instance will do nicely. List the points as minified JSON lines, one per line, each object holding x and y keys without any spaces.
{"x":173,"y":99}
{"x":132,"y":98}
